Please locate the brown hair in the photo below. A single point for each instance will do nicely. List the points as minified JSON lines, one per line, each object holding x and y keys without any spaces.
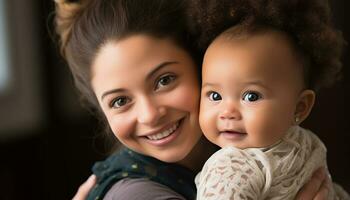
{"x":84,"y":26}
{"x":306,"y":22}
{"x":87,"y":25}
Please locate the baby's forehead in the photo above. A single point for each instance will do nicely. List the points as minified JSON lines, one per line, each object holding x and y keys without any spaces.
{"x":267,"y":34}
{"x":267,"y":56}
{"x":267,"y":47}
{"x":271,"y":41}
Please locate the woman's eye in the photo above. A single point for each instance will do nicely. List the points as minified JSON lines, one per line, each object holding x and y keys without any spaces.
{"x":119,"y":102}
{"x":164,"y":81}
{"x":251,"y":96}
{"x":214,"y":96}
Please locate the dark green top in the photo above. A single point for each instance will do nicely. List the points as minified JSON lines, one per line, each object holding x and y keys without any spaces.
{"x":129,"y":164}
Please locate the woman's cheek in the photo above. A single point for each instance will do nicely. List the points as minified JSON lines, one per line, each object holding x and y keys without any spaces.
{"x":121,"y":127}
{"x":186,"y":98}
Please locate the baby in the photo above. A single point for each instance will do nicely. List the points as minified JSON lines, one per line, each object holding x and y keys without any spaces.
{"x":258,"y":85}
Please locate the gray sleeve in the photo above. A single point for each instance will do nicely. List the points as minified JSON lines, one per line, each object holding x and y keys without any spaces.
{"x":141,"y":189}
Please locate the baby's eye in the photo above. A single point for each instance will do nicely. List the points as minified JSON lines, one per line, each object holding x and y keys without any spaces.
{"x":120,"y":101}
{"x":164,"y":81}
{"x":214,"y":96}
{"x":251,"y":96}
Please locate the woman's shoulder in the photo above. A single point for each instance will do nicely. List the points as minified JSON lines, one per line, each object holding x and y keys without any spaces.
{"x":140,"y":188}
{"x":126,"y":164}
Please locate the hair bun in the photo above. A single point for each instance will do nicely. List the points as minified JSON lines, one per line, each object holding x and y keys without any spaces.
{"x":60,"y":1}
{"x":67,"y":13}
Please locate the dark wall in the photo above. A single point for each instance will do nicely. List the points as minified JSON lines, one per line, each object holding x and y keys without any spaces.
{"x":53,"y":159}
{"x":329,"y":117}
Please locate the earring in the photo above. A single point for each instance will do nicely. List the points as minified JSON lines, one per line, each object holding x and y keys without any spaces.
{"x":297,"y":120}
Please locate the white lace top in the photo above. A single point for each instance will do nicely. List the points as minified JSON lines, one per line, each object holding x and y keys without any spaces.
{"x":276,"y":172}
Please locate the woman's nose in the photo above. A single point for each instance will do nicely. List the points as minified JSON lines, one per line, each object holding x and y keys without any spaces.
{"x":150,"y":112}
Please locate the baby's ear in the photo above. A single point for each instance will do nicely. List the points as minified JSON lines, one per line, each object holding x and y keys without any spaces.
{"x":304,"y":105}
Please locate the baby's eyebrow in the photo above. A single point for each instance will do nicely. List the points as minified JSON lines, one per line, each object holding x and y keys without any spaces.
{"x":258,"y":83}
{"x":209,"y":85}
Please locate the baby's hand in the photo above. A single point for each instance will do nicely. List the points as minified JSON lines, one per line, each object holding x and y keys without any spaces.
{"x":85,"y":188}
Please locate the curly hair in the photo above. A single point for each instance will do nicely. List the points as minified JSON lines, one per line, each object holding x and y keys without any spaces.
{"x":306,"y":22}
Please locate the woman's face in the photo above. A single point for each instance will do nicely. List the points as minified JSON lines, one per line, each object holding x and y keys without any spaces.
{"x":149,"y":91}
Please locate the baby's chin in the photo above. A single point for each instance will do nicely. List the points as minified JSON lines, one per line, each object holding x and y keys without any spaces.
{"x":243,"y":144}
{"x":231,"y":140}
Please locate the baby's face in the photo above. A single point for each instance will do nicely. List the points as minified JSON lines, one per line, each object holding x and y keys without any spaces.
{"x":250,"y":90}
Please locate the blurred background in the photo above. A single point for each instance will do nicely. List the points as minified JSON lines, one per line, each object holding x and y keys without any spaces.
{"x":48,"y":142}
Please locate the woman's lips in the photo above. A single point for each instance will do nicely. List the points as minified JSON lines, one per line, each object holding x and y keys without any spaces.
{"x":164,"y":133}
{"x":166,"y":136}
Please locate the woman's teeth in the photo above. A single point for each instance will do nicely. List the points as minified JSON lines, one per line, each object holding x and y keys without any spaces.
{"x":163,"y":134}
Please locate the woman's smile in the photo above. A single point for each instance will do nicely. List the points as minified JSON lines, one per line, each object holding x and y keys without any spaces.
{"x":149,"y":91}
{"x":162,"y":132}
{"x":165,"y":135}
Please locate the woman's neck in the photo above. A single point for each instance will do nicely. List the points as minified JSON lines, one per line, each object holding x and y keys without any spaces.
{"x":199,"y":154}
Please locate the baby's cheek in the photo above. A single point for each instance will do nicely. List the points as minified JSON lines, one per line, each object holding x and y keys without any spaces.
{"x":202,"y":119}
{"x":202,"y":110}
{"x":259,"y":126}
{"x":269,"y":128}
{"x":207,"y":120}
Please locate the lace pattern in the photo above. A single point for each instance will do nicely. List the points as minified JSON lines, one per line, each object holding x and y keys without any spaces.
{"x":277,"y":172}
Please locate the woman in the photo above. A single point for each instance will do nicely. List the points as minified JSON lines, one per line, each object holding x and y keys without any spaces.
{"x":133,"y":62}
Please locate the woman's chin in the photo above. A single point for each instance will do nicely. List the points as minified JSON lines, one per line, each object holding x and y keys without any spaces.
{"x":171,"y":157}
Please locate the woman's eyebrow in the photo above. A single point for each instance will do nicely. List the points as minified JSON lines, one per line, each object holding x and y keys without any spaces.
{"x":149,"y":75}
{"x":110,"y":92}
{"x":159,"y":67}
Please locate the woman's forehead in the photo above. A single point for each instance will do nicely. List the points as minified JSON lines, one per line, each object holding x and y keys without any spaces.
{"x":133,"y":59}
